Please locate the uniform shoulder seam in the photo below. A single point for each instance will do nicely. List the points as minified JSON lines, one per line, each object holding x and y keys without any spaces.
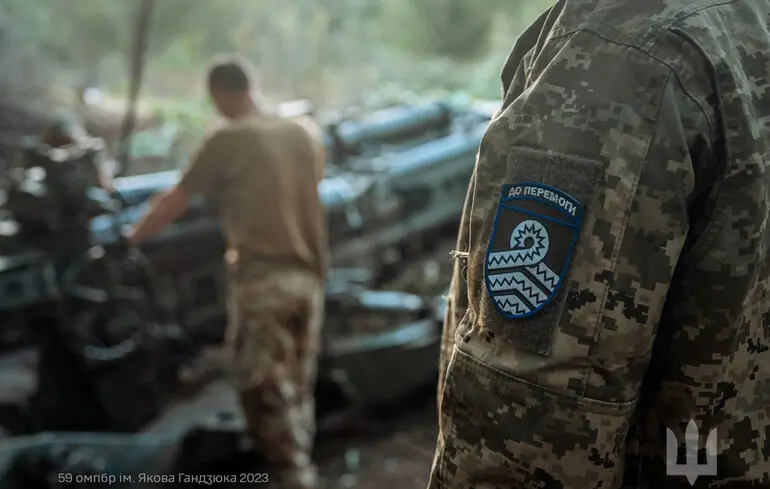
{"x":699,"y":103}
{"x":672,"y":70}
{"x":633,"y":47}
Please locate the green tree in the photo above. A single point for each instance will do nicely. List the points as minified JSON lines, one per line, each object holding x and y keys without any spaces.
{"x":452,"y":28}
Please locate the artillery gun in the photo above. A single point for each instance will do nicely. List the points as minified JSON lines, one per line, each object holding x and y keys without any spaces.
{"x":393,"y":194}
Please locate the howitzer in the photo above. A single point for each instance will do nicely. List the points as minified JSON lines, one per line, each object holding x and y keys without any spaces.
{"x":381,"y":211}
{"x":383,"y":208}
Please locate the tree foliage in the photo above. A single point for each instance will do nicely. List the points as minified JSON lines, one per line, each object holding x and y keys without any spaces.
{"x":452,"y":28}
{"x":305,"y":48}
{"x":338,"y":53}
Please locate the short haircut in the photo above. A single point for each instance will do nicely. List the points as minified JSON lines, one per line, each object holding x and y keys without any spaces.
{"x":231,"y":73}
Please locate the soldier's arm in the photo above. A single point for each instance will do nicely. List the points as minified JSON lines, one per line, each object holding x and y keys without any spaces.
{"x":203,"y":176}
{"x":457,"y":299}
{"x":208,"y":165}
{"x":575,"y":222}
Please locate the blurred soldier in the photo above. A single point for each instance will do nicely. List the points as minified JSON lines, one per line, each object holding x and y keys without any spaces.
{"x":613,"y":262}
{"x":263,"y":172}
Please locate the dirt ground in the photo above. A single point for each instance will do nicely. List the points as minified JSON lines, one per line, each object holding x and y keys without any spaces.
{"x":377,"y":449}
{"x":382,"y":452}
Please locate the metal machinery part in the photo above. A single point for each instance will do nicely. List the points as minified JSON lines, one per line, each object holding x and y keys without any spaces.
{"x":98,"y":306}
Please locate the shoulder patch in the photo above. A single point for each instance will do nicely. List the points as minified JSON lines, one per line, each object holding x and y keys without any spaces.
{"x":530,"y":247}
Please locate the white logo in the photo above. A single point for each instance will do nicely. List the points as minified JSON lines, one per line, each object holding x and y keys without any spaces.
{"x":691,"y":468}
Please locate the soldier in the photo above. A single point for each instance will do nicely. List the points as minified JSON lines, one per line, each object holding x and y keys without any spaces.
{"x":613,"y":263}
{"x":262,"y":172}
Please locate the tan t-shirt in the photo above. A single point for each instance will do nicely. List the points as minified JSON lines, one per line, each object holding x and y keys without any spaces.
{"x":262,"y":172}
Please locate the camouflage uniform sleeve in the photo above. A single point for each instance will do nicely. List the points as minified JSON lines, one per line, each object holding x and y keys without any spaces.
{"x":206,"y":169}
{"x":457,"y":300}
{"x":574,"y":224}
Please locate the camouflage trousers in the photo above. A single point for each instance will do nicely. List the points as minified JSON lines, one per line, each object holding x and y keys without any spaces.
{"x":274,"y":341}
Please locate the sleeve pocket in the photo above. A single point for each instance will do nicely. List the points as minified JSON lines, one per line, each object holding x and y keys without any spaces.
{"x":501,"y":431}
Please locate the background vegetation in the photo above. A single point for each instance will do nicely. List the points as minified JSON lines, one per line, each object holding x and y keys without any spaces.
{"x":337,"y":53}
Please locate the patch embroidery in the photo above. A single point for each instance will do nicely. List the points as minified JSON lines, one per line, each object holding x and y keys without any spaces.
{"x":530,"y":247}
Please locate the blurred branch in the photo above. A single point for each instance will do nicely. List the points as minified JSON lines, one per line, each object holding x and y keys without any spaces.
{"x":138,"y":60}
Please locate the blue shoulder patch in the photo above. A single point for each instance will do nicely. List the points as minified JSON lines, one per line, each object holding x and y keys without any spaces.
{"x":530,"y":247}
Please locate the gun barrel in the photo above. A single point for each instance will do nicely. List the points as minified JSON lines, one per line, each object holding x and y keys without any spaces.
{"x":388,"y":125}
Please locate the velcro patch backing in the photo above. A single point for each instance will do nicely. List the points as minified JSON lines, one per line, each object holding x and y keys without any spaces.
{"x":535,"y":231}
